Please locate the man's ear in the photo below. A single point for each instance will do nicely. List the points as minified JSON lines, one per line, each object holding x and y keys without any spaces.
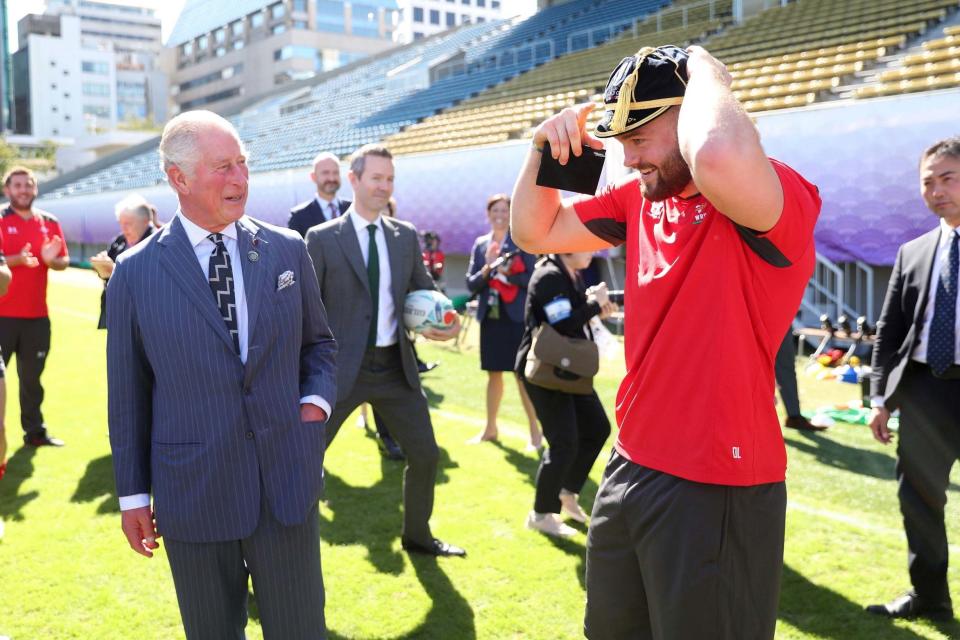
{"x":178,"y":179}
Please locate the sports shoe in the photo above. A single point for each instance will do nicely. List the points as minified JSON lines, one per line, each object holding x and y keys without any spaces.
{"x":570,"y":506}
{"x":550,"y":524}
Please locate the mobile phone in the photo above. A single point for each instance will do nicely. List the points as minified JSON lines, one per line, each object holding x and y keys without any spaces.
{"x":581,"y":174}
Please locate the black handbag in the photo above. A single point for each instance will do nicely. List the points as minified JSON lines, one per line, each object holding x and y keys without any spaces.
{"x":560,"y":363}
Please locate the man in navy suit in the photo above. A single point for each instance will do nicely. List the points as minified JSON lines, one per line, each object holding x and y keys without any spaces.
{"x":916,"y":369}
{"x":325,"y":205}
{"x":221,"y":371}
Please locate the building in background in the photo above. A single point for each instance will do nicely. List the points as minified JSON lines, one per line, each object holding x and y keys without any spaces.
{"x":6,"y":84}
{"x":423,"y":18}
{"x":222,"y":53}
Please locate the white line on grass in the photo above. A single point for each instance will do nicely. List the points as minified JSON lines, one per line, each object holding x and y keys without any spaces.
{"x":504,"y":428}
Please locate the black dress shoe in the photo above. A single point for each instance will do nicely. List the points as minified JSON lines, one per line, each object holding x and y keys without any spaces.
{"x":910,"y":605}
{"x":42,"y":441}
{"x":423,"y":367}
{"x":390,"y":449}
{"x":435,"y":548}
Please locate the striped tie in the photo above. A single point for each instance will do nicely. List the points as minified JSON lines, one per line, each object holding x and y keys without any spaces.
{"x":941,"y":352}
{"x":220,"y":275}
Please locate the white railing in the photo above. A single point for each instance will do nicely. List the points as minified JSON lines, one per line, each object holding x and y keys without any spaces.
{"x":839,"y":289}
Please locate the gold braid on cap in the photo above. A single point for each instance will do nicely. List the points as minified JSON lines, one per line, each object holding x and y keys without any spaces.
{"x":625,"y":103}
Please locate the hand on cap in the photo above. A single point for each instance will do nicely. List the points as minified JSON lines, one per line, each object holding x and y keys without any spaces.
{"x":567,"y":132}
{"x":702,"y":62}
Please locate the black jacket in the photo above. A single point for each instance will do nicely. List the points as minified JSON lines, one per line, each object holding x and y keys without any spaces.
{"x":309,"y":214}
{"x":549,"y":285}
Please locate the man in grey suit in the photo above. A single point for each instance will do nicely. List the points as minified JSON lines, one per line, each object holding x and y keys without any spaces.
{"x":221,"y":371}
{"x":366,"y":264}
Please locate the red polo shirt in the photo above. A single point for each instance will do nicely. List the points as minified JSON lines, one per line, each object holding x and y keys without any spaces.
{"x":27,"y":297}
{"x":706,"y":307}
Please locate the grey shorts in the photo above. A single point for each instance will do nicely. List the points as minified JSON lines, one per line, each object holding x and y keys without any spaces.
{"x":669,"y":559}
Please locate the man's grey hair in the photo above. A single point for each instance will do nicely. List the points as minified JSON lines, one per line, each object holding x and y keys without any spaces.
{"x":178,"y":144}
{"x":948,"y":147}
{"x":358,"y":159}
{"x":324,"y":155}
{"x":136,"y":204}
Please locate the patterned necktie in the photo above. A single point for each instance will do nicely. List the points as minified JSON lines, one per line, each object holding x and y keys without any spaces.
{"x":373,"y":279}
{"x":220,"y":275}
{"x":332,"y":210}
{"x":943,"y":328}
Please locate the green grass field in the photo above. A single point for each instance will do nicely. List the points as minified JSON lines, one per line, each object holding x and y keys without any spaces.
{"x":66,"y":571}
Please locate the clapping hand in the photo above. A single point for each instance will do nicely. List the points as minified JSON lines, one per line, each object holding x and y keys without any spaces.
{"x":493,"y":251}
{"x":24,"y":258}
{"x":102,"y":264}
{"x":51,"y":249}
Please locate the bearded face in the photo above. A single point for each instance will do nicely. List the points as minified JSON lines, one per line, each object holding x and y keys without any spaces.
{"x":666,"y":179}
{"x":21,"y":190}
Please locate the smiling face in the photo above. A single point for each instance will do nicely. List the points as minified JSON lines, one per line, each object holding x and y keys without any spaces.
{"x":499,"y":216}
{"x":654,"y":151}
{"x":215,"y":194}
{"x":21,"y":190}
{"x":372,"y":188}
{"x":940,"y":187}
{"x":326,"y":175}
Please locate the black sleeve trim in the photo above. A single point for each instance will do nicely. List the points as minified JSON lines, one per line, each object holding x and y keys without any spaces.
{"x":608,"y":230}
{"x":763,"y":247}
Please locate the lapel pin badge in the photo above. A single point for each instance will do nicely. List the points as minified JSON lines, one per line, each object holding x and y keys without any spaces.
{"x":253,"y":256}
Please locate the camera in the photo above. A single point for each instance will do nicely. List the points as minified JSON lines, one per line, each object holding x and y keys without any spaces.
{"x":616,"y":296}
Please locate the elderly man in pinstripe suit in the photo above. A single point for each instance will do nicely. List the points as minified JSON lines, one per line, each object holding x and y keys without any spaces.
{"x":221,"y":373}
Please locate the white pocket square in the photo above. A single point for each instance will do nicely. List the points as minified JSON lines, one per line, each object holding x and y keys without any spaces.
{"x":285,"y":280}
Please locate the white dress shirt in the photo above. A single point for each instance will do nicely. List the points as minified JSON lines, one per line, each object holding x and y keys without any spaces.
{"x":939,"y":261}
{"x":325,"y":207}
{"x":203,"y":248}
{"x":387,"y":312}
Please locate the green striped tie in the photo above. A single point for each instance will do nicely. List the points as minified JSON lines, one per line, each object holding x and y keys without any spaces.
{"x":373,"y":279}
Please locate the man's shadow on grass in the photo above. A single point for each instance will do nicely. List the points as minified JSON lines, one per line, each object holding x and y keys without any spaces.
{"x":98,"y":481}
{"x":841,"y":456}
{"x":434,"y":399}
{"x":527,"y":467}
{"x":19,"y":468}
{"x":372,"y":516}
{"x":824,"y":613}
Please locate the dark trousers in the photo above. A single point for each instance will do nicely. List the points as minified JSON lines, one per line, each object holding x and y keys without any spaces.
{"x":29,"y":340}
{"x":381,"y":382}
{"x":785,"y":370}
{"x":576,"y":427}
{"x":670,"y":559}
{"x":284,"y":565}
{"x":928,"y":445}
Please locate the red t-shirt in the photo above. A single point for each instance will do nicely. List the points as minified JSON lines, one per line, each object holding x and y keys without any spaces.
{"x":705,"y":314}
{"x":27,"y":297}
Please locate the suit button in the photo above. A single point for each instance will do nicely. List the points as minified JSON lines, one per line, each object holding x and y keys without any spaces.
{"x":249,"y":435}
{"x":247,"y":392}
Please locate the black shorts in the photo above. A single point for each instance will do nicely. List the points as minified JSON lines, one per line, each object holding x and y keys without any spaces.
{"x":669,"y":558}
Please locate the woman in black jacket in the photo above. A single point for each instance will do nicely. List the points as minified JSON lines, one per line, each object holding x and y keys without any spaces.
{"x":575,"y":426}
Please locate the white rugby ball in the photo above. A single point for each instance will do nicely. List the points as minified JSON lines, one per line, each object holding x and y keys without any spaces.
{"x":427,"y":308}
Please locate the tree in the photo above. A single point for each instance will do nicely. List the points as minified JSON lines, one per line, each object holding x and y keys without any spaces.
{"x":9,"y":155}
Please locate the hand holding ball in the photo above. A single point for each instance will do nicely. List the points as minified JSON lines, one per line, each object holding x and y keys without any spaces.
{"x":428,"y":309}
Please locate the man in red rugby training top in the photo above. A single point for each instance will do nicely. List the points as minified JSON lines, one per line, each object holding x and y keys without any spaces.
{"x":5,"y":277}
{"x":686,"y":538}
{"x":32,"y":244}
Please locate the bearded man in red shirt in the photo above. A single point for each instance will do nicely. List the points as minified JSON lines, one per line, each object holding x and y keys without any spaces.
{"x":686,"y":537}
{"x":32,"y":243}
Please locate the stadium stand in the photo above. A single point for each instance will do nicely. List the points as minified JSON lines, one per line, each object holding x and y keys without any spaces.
{"x":937,"y":67}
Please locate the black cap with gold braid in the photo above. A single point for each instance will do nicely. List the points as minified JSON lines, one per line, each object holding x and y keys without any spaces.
{"x":642,"y":87}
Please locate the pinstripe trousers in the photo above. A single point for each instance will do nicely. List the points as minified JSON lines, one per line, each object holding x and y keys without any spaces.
{"x":284,"y":565}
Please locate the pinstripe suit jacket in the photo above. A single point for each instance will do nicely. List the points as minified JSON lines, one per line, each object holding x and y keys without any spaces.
{"x":192,"y":424}
{"x":335,"y":251}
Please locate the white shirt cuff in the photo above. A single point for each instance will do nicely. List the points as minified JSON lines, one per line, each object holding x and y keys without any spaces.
{"x":135,"y":501}
{"x":876,"y":402}
{"x":317,"y":400}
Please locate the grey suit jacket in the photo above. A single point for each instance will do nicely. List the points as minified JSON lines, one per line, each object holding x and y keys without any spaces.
{"x":901,"y":319}
{"x":335,"y":251}
{"x":192,"y":424}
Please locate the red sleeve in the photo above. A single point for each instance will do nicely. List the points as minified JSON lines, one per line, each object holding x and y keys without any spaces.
{"x":3,"y":251}
{"x":793,"y":232}
{"x":605,"y":213}
{"x":57,"y":231}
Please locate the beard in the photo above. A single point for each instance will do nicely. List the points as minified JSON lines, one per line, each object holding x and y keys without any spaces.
{"x":672,"y":177}
{"x":330,"y":187}
{"x":23,"y":202}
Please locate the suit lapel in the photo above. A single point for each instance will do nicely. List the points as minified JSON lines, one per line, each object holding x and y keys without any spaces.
{"x":180,"y":261}
{"x":399,"y":278}
{"x":255,"y":271}
{"x":349,"y":244}
{"x":925,"y":258}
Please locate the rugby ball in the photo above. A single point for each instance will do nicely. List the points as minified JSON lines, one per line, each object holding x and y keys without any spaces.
{"x":427,"y":308}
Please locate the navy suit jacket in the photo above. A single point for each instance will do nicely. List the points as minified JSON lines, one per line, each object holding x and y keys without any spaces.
{"x":901,"y":319}
{"x":192,"y":424}
{"x":309,"y":214}
{"x":478,"y":285}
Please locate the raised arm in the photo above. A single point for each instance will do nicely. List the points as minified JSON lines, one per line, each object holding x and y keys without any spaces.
{"x":722,"y":147}
{"x":540,"y":222}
